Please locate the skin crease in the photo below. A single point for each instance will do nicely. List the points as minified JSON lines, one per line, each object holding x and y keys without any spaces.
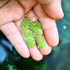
{"x":48,"y":25}
{"x":30,"y":16}
{"x":35,"y":53}
{"x":3,"y":2}
{"x":49,"y":7}
{"x":14,"y":11}
{"x":28,"y":4}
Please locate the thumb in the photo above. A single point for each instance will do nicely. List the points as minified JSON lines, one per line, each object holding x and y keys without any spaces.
{"x":52,"y":8}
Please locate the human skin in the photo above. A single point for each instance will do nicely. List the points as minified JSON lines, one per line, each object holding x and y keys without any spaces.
{"x":11,"y":16}
{"x":3,"y":2}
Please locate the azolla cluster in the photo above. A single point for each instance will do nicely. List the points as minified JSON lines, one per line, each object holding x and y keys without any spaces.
{"x":31,"y":31}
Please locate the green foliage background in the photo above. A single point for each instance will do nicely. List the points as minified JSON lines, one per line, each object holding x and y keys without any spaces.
{"x":58,"y":59}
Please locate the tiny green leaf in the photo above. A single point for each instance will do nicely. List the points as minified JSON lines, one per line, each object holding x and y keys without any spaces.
{"x":30,"y":43}
{"x":38,"y":24}
{"x":27,"y":34}
{"x":33,"y":27}
{"x":25,"y":24}
{"x":10,"y":67}
{"x":37,"y":34}
{"x":41,"y":43}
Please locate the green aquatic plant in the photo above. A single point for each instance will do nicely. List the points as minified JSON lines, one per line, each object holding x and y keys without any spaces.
{"x":34,"y":33}
{"x":27,"y":34}
{"x":11,"y":67}
{"x":38,"y":24}
{"x":25,"y":20}
{"x":25,"y":24}
{"x":38,"y":34}
{"x":24,"y":27}
{"x":33,"y":27}
{"x":30,"y":43}
{"x":41,"y":43}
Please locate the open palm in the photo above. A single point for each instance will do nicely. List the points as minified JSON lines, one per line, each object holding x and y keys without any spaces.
{"x":11,"y":16}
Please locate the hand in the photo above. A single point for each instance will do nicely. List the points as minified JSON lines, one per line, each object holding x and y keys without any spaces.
{"x":13,"y":11}
{"x":46,"y":13}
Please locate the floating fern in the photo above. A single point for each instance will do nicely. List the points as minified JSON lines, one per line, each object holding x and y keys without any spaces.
{"x":25,"y":24}
{"x":34,"y":33}
{"x":37,"y":34}
{"x":27,"y":34}
{"x":30,"y":43}
{"x":41,"y":43}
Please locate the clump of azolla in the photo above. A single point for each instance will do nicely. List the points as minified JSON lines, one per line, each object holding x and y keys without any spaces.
{"x":25,"y":24}
{"x":30,"y":43}
{"x":38,"y":25}
{"x":11,"y":68}
{"x":27,"y":34}
{"x":41,"y":43}
{"x":25,"y":20}
{"x":35,"y":33}
{"x":38,"y":34}
{"x":35,"y":26}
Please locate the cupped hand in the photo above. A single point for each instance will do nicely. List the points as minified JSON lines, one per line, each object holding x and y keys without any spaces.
{"x":11,"y":16}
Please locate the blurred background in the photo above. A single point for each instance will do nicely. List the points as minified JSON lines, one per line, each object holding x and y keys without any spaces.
{"x":58,"y":59}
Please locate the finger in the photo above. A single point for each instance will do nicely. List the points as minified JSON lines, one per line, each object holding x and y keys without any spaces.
{"x":14,"y":36}
{"x":28,"y":4}
{"x":47,"y":49}
{"x":11,"y":12}
{"x":52,"y":8}
{"x":3,"y":2}
{"x":34,"y":52}
{"x":48,"y":25}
